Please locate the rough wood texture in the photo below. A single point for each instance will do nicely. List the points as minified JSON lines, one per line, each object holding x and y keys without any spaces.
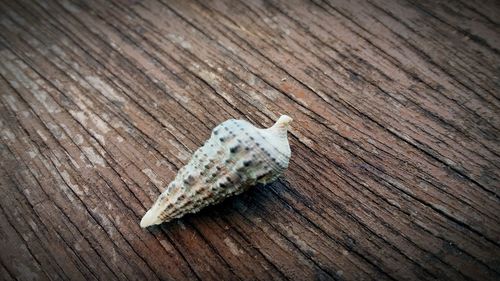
{"x":396,"y":157}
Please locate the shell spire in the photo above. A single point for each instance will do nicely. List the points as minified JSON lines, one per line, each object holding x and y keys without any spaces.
{"x":235,"y":157}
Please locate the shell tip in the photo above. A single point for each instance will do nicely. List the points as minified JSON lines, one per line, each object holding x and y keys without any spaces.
{"x":283,"y":122}
{"x":149,"y":219}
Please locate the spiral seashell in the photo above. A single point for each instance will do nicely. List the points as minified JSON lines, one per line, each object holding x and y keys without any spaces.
{"x":236,"y":157}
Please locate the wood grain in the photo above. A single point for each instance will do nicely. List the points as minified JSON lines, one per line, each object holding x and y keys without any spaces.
{"x":395,"y":169}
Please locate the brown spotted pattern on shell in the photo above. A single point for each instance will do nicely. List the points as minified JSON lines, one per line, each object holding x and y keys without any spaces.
{"x":236,"y":157}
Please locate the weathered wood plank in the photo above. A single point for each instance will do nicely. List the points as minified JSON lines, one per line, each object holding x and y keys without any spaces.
{"x":395,"y":167}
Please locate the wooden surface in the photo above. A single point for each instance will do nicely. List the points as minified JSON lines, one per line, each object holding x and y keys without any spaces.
{"x":396,"y":154}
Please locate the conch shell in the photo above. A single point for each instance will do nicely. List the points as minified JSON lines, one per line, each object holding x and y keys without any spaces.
{"x":236,"y":157}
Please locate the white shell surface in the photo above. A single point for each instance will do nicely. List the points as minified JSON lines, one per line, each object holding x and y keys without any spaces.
{"x":236,"y":157}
